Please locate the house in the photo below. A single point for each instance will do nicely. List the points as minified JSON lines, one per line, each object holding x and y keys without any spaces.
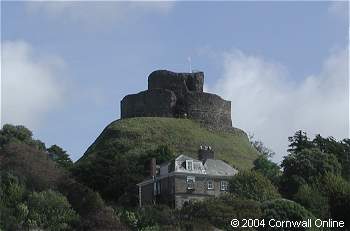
{"x":185,"y":178}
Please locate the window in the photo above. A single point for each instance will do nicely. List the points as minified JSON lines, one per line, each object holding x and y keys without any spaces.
{"x":190,"y":182}
{"x":158,"y":187}
{"x":154,"y":188}
{"x":189,"y":165}
{"x":223,"y":185}
{"x":210,"y":184}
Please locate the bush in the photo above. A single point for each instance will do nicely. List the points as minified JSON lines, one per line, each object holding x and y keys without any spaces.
{"x":102,"y":220}
{"x":312,"y":198}
{"x":306,"y":166}
{"x":148,"y":217}
{"x":115,"y":175}
{"x":31,"y":166}
{"x":337,"y":190}
{"x":12,"y":211}
{"x":82,"y":198}
{"x":268,"y":169}
{"x":51,"y":211}
{"x":218,"y":212}
{"x":284,"y":210}
{"x":19,"y":134}
{"x":252,"y":185}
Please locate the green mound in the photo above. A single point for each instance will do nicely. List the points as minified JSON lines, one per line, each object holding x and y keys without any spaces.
{"x":137,"y":135}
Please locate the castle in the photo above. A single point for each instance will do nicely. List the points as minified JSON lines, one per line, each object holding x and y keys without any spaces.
{"x":178,"y":95}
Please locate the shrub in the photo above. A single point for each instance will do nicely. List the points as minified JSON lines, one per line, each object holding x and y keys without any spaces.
{"x":284,"y":210}
{"x":337,"y":190}
{"x":102,"y":220}
{"x":218,"y":212}
{"x":31,"y":166}
{"x":306,"y":166}
{"x":252,"y":185}
{"x":12,"y":211}
{"x":312,"y":198}
{"x":51,"y":211}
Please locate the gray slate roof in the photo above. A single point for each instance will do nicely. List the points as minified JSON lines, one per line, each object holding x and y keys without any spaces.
{"x":219,"y":167}
{"x":211,"y":167}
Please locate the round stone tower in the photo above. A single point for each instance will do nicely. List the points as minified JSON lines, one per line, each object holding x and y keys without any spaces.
{"x":178,"y":95}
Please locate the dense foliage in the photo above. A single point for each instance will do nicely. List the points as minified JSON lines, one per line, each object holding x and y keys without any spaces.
{"x":219,"y":211}
{"x":268,"y":169}
{"x":19,"y":134}
{"x":22,"y":209}
{"x":60,"y":156}
{"x":305,"y":166}
{"x":253,"y":185}
{"x":116,"y":176}
{"x":37,"y":192}
{"x":284,"y":210}
{"x":41,"y":188}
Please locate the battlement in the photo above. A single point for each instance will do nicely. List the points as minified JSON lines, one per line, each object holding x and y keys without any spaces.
{"x":180,"y":83}
{"x":178,"y":95}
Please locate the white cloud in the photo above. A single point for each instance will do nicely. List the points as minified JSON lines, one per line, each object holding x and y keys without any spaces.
{"x":94,"y":13}
{"x":31,"y":85}
{"x":268,"y":104}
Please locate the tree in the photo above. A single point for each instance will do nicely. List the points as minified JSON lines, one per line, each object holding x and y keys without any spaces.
{"x":162,"y":153}
{"x":298,"y":142}
{"x":340,"y":149}
{"x":284,"y":210}
{"x":82,"y":198}
{"x":18,"y":211}
{"x":19,"y":134}
{"x":50,"y":210}
{"x":112,"y":176}
{"x":338,"y":192}
{"x":268,"y":168}
{"x":101,"y":220}
{"x":31,"y":166}
{"x":60,"y":156}
{"x":345,"y":159}
{"x":13,"y":211}
{"x":313,"y":199}
{"x":252,"y":185}
{"x":305,"y":166}
{"x":261,"y":148}
{"x":219,"y":211}
{"x":115,"y":176}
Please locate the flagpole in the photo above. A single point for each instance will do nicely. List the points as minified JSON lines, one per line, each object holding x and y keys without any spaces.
{"x":189,"y":61}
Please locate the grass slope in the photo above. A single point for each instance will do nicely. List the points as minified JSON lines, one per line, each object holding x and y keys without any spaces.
{"x":136,"y":135}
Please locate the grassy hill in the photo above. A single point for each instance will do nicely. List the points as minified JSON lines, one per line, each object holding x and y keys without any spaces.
{"x":137,"y":135}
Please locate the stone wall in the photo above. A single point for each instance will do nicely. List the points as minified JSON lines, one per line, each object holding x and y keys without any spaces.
{"x":174,"y":190}
{"x":200,"y":191}
{"x":200,"y":186}
{"x":208,"y":108}
{"x":150,"y":103}
{"x":181,"y":95}
{"x":179,"y":83}
{"x":147,"y":194}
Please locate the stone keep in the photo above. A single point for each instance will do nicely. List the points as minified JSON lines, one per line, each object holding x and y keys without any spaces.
{"x":178,"y":95}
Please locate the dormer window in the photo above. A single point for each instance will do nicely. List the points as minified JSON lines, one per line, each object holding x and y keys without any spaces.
{"x":189,"y":165}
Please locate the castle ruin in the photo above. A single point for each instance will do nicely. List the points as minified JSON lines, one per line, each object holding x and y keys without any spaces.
{"x":178,"y":95}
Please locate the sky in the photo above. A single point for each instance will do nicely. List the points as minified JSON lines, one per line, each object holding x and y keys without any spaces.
{"x":65,"y":66}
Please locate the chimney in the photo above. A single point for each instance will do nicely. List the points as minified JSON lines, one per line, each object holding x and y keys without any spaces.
{"x":205,"y":152}
{"x":153,"y":167}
